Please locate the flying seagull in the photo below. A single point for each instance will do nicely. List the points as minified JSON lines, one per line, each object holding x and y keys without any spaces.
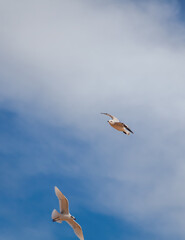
{"x":64,"y":214}
{"x":115,"y":123}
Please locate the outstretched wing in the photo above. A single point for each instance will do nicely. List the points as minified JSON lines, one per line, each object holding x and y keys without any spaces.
{"x":76,"y":227}
{"x":127,"y":128}
{"x":124,"y":125}
{"x":63,"y":202}
{"x":113,"y":118}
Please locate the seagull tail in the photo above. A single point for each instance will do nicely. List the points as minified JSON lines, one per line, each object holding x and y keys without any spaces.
{"x":56,"y":216}
{"x":126,"y":132}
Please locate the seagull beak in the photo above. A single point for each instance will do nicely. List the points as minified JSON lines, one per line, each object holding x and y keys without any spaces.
{"x":107,"y":121}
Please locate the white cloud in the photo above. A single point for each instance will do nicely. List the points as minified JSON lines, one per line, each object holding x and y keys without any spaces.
{"x":65,"y":61}
{"x":38,"y":232}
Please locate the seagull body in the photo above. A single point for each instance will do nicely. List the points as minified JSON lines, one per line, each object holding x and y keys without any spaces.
{"x":64,"y":214}
{"x":115,"y":123}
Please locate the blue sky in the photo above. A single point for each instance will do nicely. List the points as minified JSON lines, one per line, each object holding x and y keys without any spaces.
{"x":64,"y":62}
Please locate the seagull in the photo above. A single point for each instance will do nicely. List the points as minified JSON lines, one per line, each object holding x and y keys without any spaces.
{"x":115,"y":123}
{"x":64,"y":214}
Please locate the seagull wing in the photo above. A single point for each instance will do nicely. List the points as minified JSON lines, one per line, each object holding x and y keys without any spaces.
{"x":127,"y":128}
{"x":63,"y":202}
{"x":124,"y":125}
{"x":76,"y":227}
{"x":113,"y":118}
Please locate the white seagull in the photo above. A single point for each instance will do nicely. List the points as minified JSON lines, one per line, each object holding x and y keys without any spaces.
{"x":64,"y":214}
{"x":115,"y":123}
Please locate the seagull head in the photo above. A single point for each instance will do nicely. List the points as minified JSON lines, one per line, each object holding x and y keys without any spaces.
{"x":110,"y":122}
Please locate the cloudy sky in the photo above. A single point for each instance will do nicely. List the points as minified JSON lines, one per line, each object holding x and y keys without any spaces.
{"x":61,"y":64}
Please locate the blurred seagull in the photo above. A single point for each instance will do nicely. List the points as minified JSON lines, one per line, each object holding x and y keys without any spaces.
{"x":115,"y":123}
{"x":64,"y":214}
